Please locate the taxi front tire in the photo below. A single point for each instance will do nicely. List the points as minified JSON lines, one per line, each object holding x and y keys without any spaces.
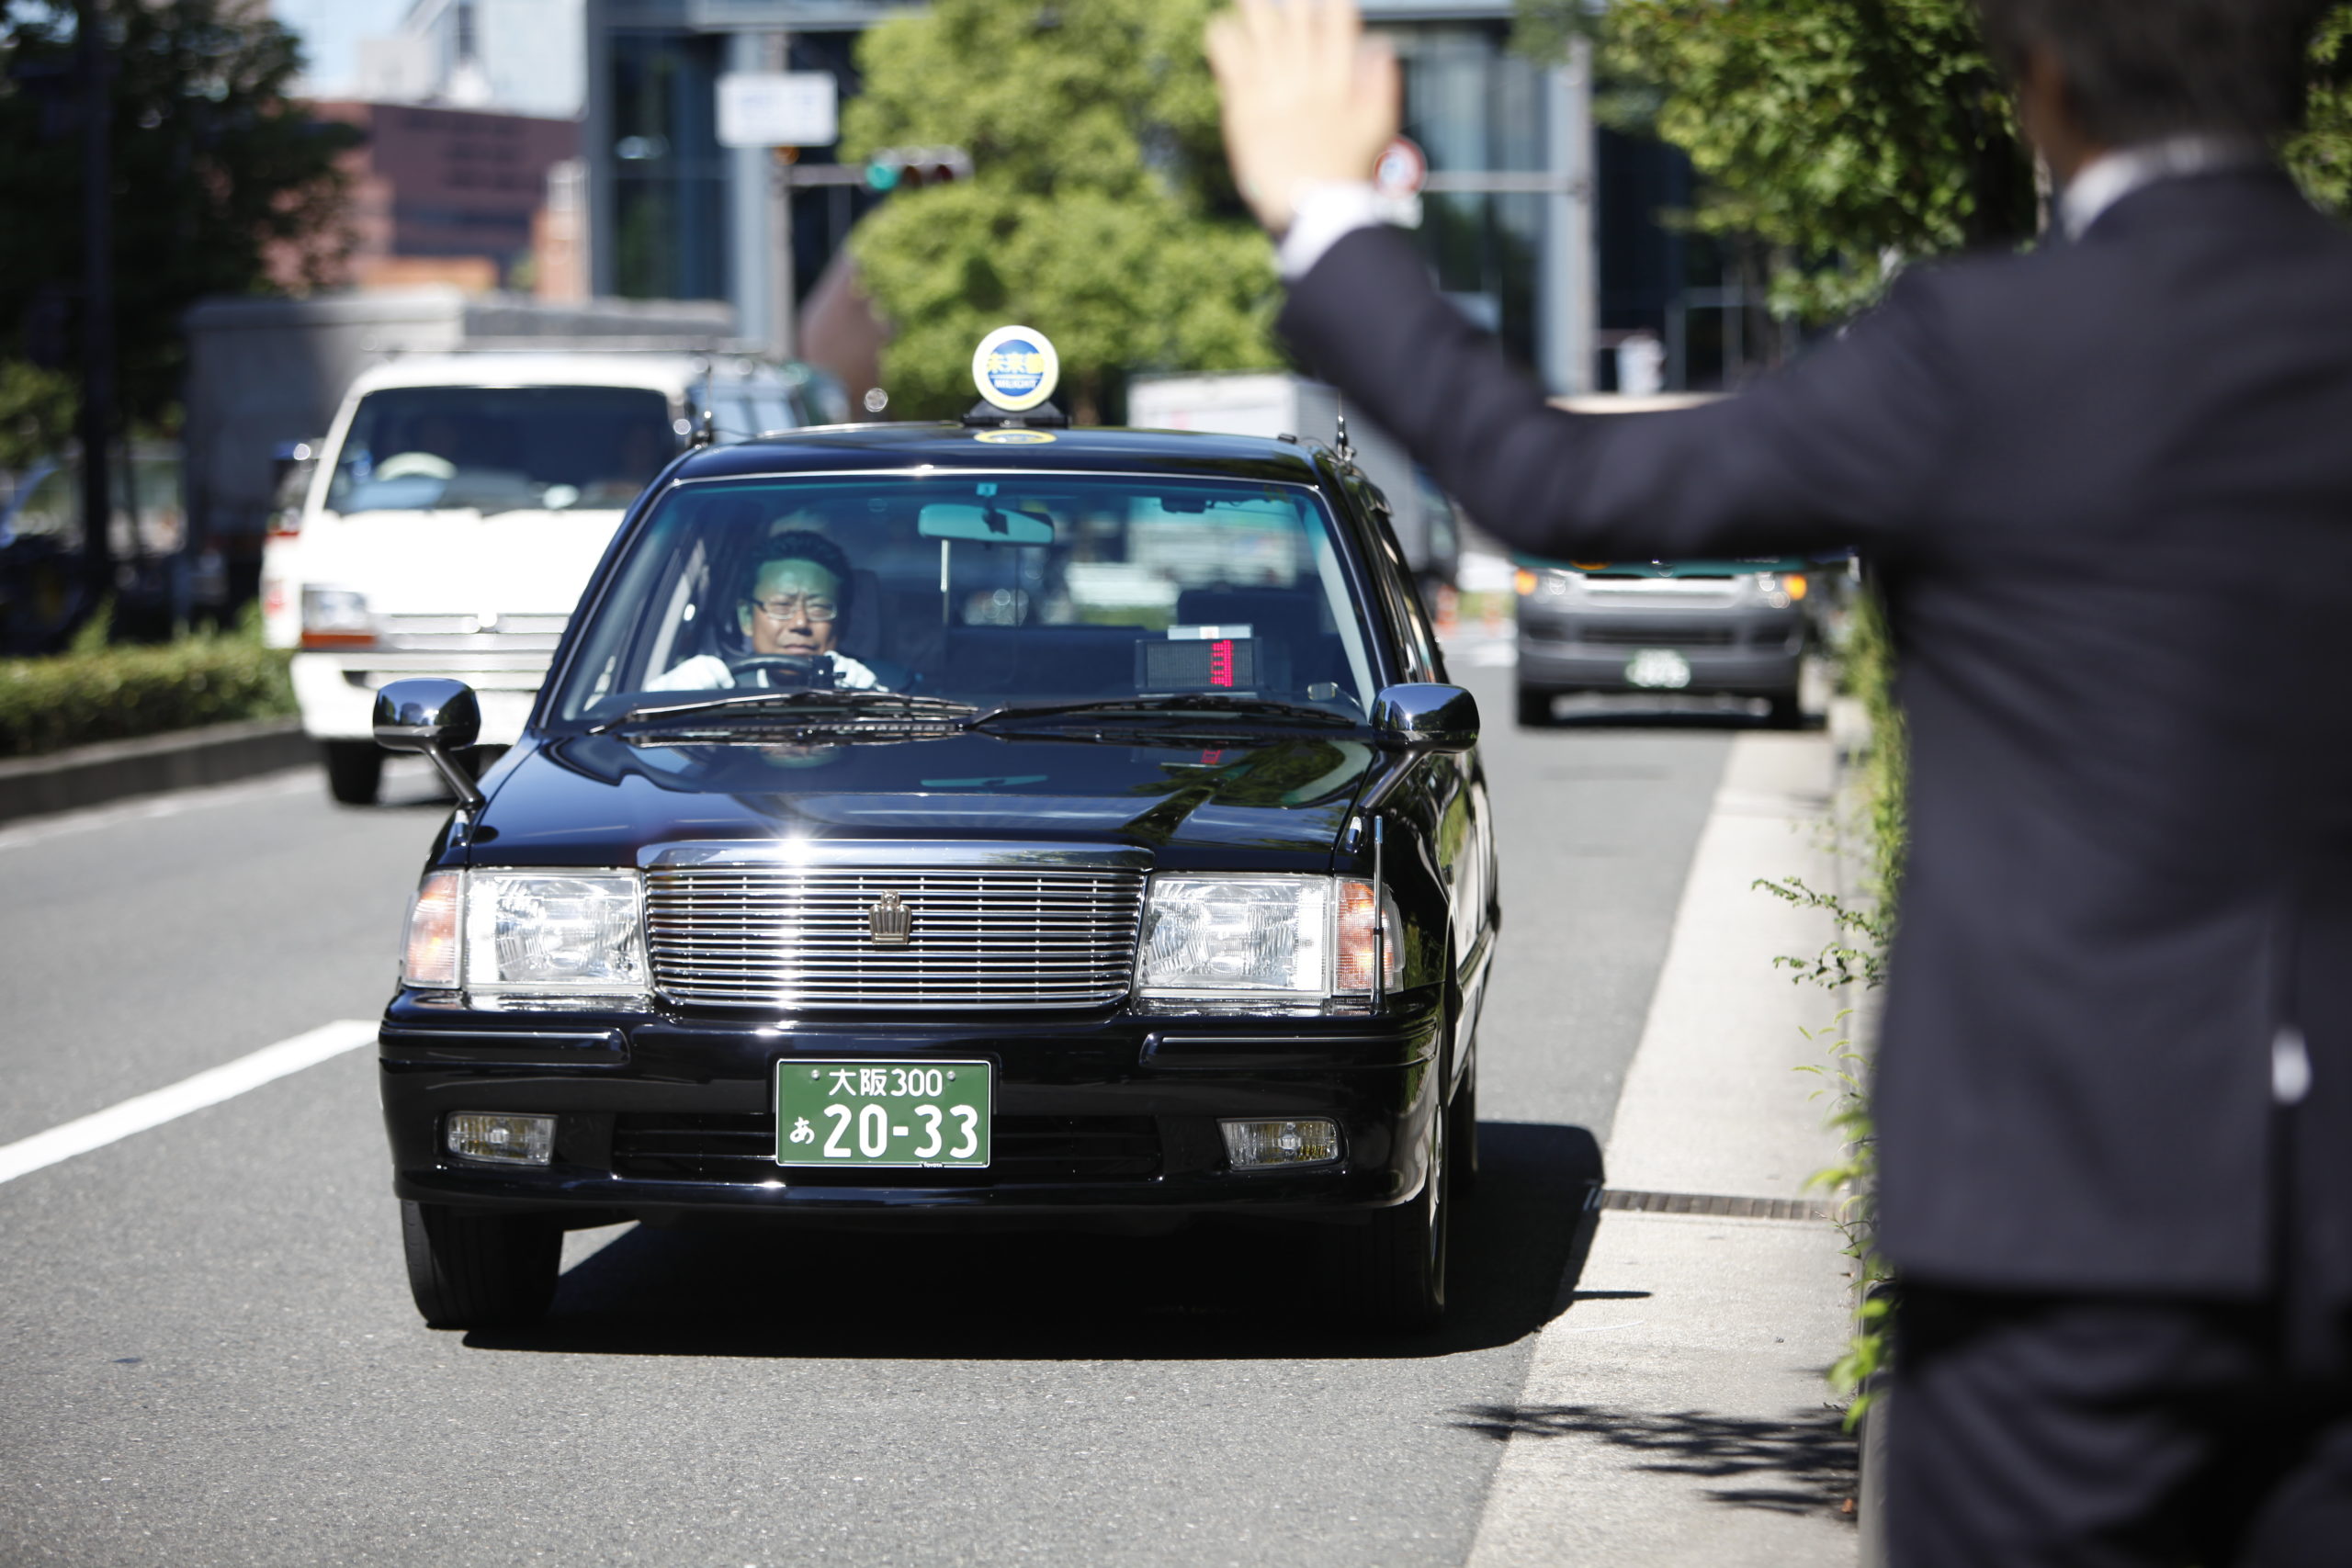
{"x":476,"y":1271}
{"x":1462,"y":1133}
{"x":1391,"y":1271}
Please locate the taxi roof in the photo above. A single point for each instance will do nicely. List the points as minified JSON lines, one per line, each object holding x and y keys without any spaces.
{"x":1089,"y":450}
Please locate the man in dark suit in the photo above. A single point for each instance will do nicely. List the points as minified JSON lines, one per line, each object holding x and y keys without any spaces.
{"x":2109,"y":488}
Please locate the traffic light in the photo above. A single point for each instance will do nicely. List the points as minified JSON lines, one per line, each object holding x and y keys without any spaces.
{"x":910,"y":168}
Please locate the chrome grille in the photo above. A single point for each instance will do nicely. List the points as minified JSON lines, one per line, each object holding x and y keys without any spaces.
{"x":486,"y":633}
{"x":1659,"y":634}
{"x":1664,"y":591}
{"x":782,"y":938}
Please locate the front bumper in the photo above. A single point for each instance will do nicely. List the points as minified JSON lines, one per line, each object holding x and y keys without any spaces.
{"x":667,"y":1120}
{"x":1749,"y":650}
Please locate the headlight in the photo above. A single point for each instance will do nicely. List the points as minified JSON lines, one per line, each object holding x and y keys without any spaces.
{"x":429,"y":958}
{"x":1280,"y":938}
{"x":502,"y":934}
{"x":336,"y":618}
{"x":572,"y":931}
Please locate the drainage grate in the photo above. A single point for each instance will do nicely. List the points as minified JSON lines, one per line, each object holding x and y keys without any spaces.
{"x":1706,"y":1203}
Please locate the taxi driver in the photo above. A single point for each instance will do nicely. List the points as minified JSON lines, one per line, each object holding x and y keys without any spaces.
{"x":790,"y":615}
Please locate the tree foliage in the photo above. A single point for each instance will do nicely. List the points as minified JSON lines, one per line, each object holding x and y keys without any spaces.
{"x":212,"y":165}
{"x":2321,"y":154}
{"x":1843,"y":133}
{"x":1099,"y":210}
{"x":1852,"y":135}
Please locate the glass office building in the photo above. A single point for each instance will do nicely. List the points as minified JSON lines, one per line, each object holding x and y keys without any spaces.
{"x":1533,"y":225}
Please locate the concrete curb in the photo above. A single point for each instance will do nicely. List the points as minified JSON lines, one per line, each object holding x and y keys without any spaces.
{"x":185,"y":759}
{"x":1674,"y":1415}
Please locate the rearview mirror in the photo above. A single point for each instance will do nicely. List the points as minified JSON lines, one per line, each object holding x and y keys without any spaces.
{"x":434,"y":716}
{"x":983,"y":525}
{"x":1427,"y":716}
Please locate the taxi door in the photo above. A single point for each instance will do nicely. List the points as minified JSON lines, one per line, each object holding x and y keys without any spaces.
{"x":1445,"y":799}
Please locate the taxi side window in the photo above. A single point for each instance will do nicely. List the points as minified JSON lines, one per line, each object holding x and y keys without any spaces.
{"x":1416,"y":641}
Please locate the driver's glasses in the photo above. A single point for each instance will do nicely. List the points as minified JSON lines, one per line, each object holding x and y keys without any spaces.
{"x":785,"y":608}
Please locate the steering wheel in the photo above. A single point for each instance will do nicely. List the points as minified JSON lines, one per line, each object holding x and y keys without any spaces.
{"x":784,"y":672}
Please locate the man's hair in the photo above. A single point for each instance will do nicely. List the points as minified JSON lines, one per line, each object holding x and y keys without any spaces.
{"x":2140,"y":70}
{"x":814,"y":548}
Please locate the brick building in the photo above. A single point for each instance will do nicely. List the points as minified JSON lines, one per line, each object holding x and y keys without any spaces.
{"x":447,"y":195}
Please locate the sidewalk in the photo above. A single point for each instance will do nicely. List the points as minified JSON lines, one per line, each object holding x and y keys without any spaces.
{"x":1675,"y":1413}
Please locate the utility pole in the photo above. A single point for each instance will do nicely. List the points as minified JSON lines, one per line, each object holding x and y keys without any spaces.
{"x":97,"y":301}
{"x":783,"y":335}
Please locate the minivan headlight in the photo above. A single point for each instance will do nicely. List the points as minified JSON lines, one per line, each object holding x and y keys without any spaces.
{"x":1280,"y":938}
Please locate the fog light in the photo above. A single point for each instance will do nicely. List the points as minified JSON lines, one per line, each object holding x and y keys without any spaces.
{"x":1253,"y":1145}
{"x":508,"y":1140}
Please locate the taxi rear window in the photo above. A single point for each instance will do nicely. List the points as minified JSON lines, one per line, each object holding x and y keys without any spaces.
{"x":982,"y":588}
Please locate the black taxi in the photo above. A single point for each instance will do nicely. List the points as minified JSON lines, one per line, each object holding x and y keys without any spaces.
{"x":974,"y":823}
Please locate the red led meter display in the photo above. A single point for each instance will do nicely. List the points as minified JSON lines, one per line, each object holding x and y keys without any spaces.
{"x":1197,"y":664}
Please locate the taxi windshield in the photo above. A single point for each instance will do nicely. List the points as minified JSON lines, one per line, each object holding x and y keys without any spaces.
{"x":999,"y":591}
{"x":501,"y":449}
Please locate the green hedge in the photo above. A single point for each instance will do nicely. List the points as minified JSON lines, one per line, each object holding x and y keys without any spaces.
{"x":47,"y":704}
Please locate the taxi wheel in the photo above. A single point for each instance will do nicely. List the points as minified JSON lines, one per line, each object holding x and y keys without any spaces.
{"x":475,"y":1270}
{"x":1462,"y":1133}
{"x":1788,"y":712}
{"x":354,"y":770}
{"x":1534,"y":707}
{"x":1392,"y":1271}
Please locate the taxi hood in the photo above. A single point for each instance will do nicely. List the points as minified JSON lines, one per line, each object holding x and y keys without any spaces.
{"x":1258,"y":803}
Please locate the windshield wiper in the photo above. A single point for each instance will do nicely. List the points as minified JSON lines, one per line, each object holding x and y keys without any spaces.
{"x":1216,"y":703}
{"x":853,"y":702}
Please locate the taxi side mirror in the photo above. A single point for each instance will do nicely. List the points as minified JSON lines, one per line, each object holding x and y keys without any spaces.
{"x":1427,"y":716}
{"x":435,"y":716}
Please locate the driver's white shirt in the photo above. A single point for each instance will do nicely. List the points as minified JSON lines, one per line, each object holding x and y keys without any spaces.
{"x":706,"y":671}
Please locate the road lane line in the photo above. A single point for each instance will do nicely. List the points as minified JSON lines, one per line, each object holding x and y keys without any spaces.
{"x":159,"y":1106}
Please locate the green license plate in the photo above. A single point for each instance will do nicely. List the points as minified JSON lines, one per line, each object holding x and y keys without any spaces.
{"x":883,"y":1113}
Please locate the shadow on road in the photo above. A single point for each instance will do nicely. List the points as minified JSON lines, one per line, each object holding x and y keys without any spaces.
{"x":1802,"y":1464}
{"x":1211,"y":1291}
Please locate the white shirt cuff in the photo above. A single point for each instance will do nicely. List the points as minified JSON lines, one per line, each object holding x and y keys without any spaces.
{"x":1323,"y":213}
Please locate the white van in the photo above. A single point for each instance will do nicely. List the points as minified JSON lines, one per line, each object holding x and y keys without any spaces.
{"x":457,"y":510}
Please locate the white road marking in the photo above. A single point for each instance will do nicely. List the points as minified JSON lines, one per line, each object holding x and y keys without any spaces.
{"x":159,"y":1106}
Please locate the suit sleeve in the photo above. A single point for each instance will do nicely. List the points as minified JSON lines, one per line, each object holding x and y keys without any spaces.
{"x":1844,"y":449}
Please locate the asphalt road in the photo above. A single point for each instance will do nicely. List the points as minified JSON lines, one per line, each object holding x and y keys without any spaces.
{"x":212,"y":1358}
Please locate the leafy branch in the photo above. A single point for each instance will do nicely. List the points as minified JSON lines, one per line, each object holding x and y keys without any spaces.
{"x":1842,"y":962}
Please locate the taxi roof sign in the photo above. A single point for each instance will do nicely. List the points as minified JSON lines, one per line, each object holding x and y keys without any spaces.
{"x":1015,"y":368}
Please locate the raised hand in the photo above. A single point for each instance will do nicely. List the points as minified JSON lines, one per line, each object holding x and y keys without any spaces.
{"x":1307,"y":98}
